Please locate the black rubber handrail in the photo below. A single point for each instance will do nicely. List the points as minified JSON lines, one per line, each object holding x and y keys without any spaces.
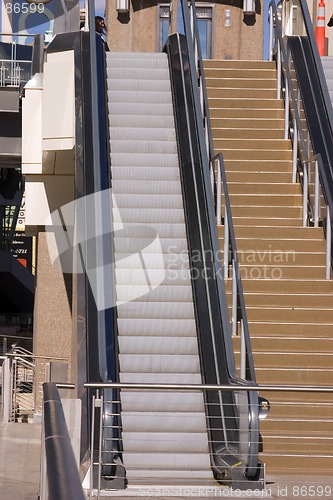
{"x":63,"y":478}
{"x":210,"y":298}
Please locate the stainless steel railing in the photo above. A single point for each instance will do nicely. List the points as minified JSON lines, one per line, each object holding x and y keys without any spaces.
{"x":307,"y":167}
{"x":283,"y":416}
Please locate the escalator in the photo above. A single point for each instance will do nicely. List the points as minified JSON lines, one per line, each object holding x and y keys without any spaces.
{"x":172,"y":320}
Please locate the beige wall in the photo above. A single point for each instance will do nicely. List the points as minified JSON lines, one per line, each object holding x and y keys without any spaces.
{"x":52,"y":317}
{"x":137,"y":31}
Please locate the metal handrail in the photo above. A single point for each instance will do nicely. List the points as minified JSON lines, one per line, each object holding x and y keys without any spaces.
{"x":62,"y":472}
{"x":203,"y":387}
{"x":296,"y":133}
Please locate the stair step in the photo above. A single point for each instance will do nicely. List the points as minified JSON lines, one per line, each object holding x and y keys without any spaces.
{"x":160,"y":378}
{"x":289,"y":315}
{"x":149,"y":200}
{"x":155,"y":109}
{"x":269,"y":211}
{"x":240,"y":83}
{"x":142,"y":134}
{"x":242,"y":64}
{"x":156,"y":310}
{"x":273,"y":233}
{"x":139,"y":97}
{"x":131,"y":84}
{"x":166,"y":327}
{"x":256,"y":123}
{"x":168,"y":262}
{"x":144,"y":147}
{"x":321,"y":286}
{"x":159,"y":401}
{"x":138,"y":278}
{"x":284,"y":259}
{"x":161,"y":363}
{"x":290,"y":329}
{"x":274,"y":178}
{"x":242,"y":221}
{"x":161,"y":293}
{"x":264,"y":200}
{"x":162,"y":421}
{"x":137,"y":63}
{"x":239,"y":112}
{"x":253,"y":154}
{"x":244,"y":103}
{"x":295,"y":464}
{"x":291,"y":299}
{"x":146,"y":187}
{"x":242,"y":93}
{"x":288,"y":344}
{"x":145,"y":121}
{"x":145,"y":160}
{"x":230,"y":72}
{"x":170,"y":461}
{"x":277,"y":272}
{"x":138,"y":73}
{"x":305,"y":361}
{"x":247,"y":133}
{"x":291,"y":246}
{"x":148,"y":216}
{"x":145,"y":174}
{"x":155,"y":345}
{"x":263,"y":188}
{"x":152,"y":442}
{"x":268,"y":166}
{"x":295,"y":376}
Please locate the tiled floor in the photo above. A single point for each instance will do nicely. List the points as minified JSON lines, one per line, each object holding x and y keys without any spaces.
{"x":19,"y":461}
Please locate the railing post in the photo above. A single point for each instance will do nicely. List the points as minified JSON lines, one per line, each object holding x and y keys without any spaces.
{"x":219,"y":195}
{"x":234,"y":301}
{"x":305,"y":193}
{"x":92,"y":440}
{"x":271,"y":31}
{"x":316,"y":196}
{"x":226,"y":244}
{"x":295,"y":151}
{"x":242,"y":353}
{"x":328,"y":243}
{"x":286,"y":109}
{"x":278,"y":90}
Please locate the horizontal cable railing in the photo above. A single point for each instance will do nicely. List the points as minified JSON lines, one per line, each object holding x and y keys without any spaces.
{"x":305,"y":403}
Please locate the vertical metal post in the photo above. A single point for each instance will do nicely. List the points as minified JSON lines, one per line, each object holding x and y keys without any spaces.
{"x":91,"y":475}
{"x":212,"y":178}
{"x":270,"y":50}
{"x":234,"y":301}
{"x":295,"y":151}
{"x":219,"y":195}
{"x":226,"y":244}
{"x":328,"y":243}
{"x":316,"y":196}
{"x":305,"y":193}
{"x":278,"y":90}
{"x":286,"y":110}
{"x":242,"y":353}
{"x":100,"y":442}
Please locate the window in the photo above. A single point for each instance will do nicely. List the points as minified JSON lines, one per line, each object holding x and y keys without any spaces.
{"x":163,"y":25}
{"x":205,"y":21}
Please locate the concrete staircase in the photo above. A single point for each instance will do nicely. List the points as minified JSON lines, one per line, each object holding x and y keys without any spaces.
{"x":289,"y":302}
